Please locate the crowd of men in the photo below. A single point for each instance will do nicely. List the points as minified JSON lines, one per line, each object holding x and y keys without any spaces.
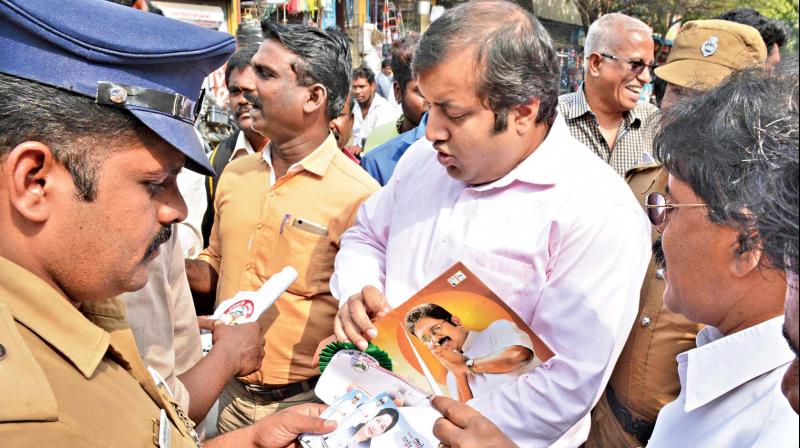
{"x":653,"y":249}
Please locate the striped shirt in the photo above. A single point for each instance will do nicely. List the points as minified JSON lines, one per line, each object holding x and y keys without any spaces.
{"x":634,"y":136}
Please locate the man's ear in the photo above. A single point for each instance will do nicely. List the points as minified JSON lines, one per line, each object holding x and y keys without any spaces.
{"x":745,"y":261}
{"x":456,"y":321}
{"x":524,"y":116}
{"x":398,"y":93}
{"x":30,"y":169}
{"x":594,"y":62}
{"x":317,"y":98}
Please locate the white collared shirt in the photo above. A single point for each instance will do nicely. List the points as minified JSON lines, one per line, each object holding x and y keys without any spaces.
{"x":498,"y":336}
{"x":561,"y":239}
{"x":380,"y":112}
{"x":730,"y":392}
{"x":242,"y":148}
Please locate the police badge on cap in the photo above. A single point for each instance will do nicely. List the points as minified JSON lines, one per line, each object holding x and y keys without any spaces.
{"x":709,"y":47}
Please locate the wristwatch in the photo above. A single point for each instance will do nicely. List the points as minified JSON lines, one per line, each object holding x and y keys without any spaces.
{"x":470,"y":364}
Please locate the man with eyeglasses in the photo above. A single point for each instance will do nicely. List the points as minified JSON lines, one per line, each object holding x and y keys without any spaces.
{"x":605,"y":113}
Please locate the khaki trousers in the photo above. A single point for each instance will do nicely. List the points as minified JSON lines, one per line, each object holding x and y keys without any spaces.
{"x":238,"y":407}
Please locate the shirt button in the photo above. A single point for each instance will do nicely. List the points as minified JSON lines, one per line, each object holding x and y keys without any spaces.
{"x":249,"y":268}
{"x":645,"y":322}
{"x":660,"y":273}
{"x":259,"y":226}
{"x":2,"y":352}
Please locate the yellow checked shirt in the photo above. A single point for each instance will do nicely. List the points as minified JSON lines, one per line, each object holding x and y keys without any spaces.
{"x":260,"y":228}
{"x":65,"y":381}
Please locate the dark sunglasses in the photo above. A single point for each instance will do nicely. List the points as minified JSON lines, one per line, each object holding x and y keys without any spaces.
{"x":658,"y":205}
{"x":636,"y":66}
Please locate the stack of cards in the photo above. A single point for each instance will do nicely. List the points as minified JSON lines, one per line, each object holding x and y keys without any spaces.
{"x":372,"y":407}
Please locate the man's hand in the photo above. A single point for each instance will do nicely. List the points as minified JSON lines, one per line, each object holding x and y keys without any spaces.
{"x":450,"y":359}
{"x":280,"y":430}
{"x":242,"y":344}
{"x":464,"y":427}
{"x":353,"y":321}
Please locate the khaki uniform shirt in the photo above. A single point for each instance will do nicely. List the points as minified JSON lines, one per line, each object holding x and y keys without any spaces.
{"x":645,"y":377}
{"x":72,"y":379}
{"x":261,"y":227}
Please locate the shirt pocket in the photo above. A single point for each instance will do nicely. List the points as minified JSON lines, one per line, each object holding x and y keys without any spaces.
{"x":311,"y":254}
{"x":515,"y":282}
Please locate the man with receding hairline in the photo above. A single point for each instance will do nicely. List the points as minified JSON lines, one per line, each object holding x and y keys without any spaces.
{"x":605,"y":113}
{"x":501,"y":185}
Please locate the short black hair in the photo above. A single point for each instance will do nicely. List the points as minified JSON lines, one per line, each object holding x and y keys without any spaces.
{"x":516,"y":59}
{"x":431,"y":310}
{"x":240,"y":60}
{"x":726,"y":142}
{"x":323,"y":57}
{"x":71,"y":125}
{"x":386,"y":63}
{"x":771,"y":30}
{"x":402,"y":55}
{"x":364,"y":72}
{"x":391,"y":412}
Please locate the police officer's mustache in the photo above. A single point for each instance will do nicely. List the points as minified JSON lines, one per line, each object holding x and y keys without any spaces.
{"x":253,"y":99}
{"x":161,"y":237}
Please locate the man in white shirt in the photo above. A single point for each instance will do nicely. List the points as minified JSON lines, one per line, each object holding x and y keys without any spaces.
{"x":371,"y":110}
{"x":500,"y":184}
{"x":477,"y":361}
{"x":715,"y":149}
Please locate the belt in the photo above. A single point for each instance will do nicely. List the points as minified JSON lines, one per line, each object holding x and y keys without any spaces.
{"x":639,"y":428}
{"x":280,"y":393}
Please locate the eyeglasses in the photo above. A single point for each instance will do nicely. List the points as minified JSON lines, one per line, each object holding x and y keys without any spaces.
{"x":658,"y":205}
{"x":427,"y":338}
{"x":636,"y":66}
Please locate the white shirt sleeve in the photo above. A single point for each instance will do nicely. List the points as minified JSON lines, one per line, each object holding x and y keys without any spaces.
{"x":505,"y":334}
{"x":193,"y":190}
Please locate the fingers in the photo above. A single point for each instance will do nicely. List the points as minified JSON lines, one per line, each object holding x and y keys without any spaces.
{"x":309,"y":409}
{"x":457,"y":413}
{"x":351,"y":330}
{"x":322,"y":344}
{"x":338,"y":329}
{"x":448,"y":433}
{"x":207,"y":323}
{"x":300,"y":423}
{"x":375,"y":301}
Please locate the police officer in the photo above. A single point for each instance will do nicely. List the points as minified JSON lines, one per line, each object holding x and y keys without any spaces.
{"x":96,"y":110}
{"x":645,"y":378}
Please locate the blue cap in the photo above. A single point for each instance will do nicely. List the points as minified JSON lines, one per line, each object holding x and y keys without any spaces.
{"x":148,"y":64}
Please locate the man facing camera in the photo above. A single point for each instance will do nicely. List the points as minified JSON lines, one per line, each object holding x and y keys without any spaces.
{"x":477,"y":361}
{"x":287,"y":206}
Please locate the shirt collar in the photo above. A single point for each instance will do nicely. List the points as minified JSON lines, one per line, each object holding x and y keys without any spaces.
{"x":242,"y":145}
{"x":417,"y":133}
{"x":317,"y":162}
{"x":545,"y":165}
{"x":721,"y":363}
{"x":469,"y":340}
{"x":39,"y":307}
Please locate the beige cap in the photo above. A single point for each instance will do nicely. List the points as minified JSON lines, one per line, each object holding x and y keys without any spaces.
{"x":706,"y":51}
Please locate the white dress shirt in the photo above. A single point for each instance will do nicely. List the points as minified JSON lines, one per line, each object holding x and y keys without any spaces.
{"x":498,"y":336}
{"x":561,"y":239}
{"x":380,"y":112}
{"x":730,"y":393}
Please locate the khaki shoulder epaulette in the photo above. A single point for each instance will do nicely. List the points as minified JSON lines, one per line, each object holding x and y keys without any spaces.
{"x":26,"y":392}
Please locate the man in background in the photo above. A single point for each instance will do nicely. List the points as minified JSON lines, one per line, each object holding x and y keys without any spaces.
{"x":240,"y":79}
{"x":771,"y":30}
{"x":605,"y":113}
{"x":384,"y":81}
{"x":371,"y":110}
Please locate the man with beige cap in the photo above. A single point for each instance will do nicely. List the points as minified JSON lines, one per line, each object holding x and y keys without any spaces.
{"x":706,"y":52}
{"x":645,"y":377}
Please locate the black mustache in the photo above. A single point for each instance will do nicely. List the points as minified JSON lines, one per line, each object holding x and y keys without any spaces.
{"x":243,"y":109}
{"x":253,"y":99}
{"x":443,"y":340}
{"x":658,"y":255}
{"x":161,"y":237}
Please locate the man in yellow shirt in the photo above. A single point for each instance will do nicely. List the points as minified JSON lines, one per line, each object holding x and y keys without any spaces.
{"x":286,"y":206}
